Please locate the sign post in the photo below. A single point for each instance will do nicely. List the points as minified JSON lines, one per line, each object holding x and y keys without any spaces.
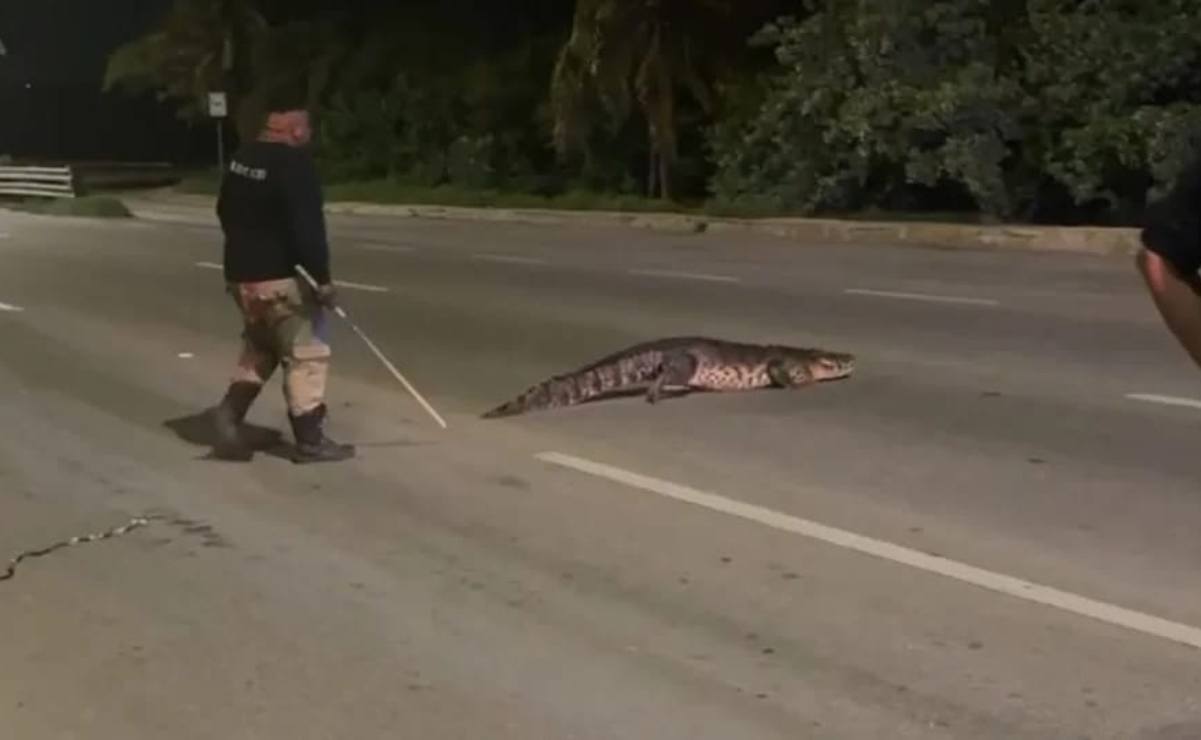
{"x":218,"y":110}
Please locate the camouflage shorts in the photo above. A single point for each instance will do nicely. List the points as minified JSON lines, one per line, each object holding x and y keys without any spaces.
{"x":283,"y":325}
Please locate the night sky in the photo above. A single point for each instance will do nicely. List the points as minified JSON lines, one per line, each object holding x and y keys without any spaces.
{"x":50,"y":101}
{"x":67,"y":41}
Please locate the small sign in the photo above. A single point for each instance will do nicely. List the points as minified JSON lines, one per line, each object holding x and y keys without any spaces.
{"x":217,"y":105}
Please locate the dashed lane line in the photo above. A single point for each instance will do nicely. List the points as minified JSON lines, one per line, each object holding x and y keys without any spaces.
{"x":509,"y":259}
{"x":922,"y":297}
{"x":700,"y":276}
{"x":389,"y":248}
{"x":361,"y":286}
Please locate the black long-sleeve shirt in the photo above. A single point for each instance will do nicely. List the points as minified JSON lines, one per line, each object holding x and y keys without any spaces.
{"x":270,"y":207}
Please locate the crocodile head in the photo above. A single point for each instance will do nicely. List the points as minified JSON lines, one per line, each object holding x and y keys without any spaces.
{"x":799,"y":367}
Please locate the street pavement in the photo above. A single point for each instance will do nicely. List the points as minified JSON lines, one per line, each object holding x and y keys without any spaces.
{"x":989,"y":531}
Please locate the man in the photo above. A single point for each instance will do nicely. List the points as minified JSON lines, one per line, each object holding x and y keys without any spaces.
{"x":270,"y":207}
{"x":1171,"y":257}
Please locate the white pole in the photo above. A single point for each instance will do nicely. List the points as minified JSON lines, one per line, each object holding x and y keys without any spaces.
{"x":378,"y":353}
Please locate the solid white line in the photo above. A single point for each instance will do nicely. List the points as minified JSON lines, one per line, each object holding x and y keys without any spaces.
{"x":10,"y":307}
{"x":1165,"y":400}
{"x":687,"y":275}
{"x":1137,"y":621}
{"x":509,"y":258}
{"x":922,"y":297}
{"x":340,"y":283}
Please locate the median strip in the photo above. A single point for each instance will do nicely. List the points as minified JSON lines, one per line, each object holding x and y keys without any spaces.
{"x":998,"y":582}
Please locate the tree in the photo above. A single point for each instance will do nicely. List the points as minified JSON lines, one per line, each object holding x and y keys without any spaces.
{"x":1006,"y":104}
{"x":875,"y":103}
{"x":621,"y":51}
{"x":1118,"y":86}
{"x":200,"y":46}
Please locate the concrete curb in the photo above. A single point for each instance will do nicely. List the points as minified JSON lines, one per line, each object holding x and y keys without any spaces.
{"x":1102,"y":241}
{"x":1080,"y":239}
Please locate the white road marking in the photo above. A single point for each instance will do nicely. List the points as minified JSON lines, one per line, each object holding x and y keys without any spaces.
{"x":339,"y":283}
{"x":922,"y":297}
{"x":1137,"y":621}
{"x":179,"y":218}
{"x":514,"y":259}
{"x":395,"y":248}
{"x":687,"y":276}
{"x":10,"y":307}
{"x":1165,"y":400}
{"x":361,"y":286}
{"x":186,"y":355}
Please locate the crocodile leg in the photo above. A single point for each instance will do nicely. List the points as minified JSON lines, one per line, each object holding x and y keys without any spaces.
{"x":780,"y":377}
{"x":676,"y":370}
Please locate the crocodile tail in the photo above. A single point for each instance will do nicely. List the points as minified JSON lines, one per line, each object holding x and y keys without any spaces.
{"x":536,"y":397}
{"x":575,"y":388}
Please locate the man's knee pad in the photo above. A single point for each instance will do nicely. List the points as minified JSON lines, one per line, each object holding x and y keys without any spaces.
{"x":306,"y":375}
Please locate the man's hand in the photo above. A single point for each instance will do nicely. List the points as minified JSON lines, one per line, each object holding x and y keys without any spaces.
{"x":327,"y":295}
{"x":1178,"y":298}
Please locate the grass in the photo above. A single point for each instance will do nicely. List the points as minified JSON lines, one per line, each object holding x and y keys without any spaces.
{"x":88,"y":206}
{"x":449,"y":195}
{"x":392,"y":192}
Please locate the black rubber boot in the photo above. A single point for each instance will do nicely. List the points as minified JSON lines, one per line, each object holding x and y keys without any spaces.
{"x":311,"y":443}
{"x":228,"y":417}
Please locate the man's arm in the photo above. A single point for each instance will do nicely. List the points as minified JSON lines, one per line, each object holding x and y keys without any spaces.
{"x":302,"y":191}
{"x":1177,"y":295}
{"x":1171,"y":257}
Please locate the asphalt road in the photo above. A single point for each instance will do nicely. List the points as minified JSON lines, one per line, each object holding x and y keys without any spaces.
{"x":826,"y":563}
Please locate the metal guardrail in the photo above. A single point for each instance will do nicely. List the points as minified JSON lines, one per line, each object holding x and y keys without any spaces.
{"x":44,"y":182}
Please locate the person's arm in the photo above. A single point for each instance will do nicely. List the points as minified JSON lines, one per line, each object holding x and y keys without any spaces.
{"x":1177,"y":296}
{"x":302,"y":191}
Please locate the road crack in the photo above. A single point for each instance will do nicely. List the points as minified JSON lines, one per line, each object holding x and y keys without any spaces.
{"x":116,"y":532}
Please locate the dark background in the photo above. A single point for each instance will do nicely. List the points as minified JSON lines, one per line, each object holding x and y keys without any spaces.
{"x":51,"y":105}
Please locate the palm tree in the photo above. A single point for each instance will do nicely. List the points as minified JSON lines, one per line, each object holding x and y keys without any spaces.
{"x":644,"y":50}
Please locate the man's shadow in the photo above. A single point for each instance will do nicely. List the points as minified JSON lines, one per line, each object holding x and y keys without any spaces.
{"x":200,"y":430}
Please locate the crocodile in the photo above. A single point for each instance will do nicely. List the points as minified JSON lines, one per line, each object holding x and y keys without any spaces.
{"x":683,"y":364}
